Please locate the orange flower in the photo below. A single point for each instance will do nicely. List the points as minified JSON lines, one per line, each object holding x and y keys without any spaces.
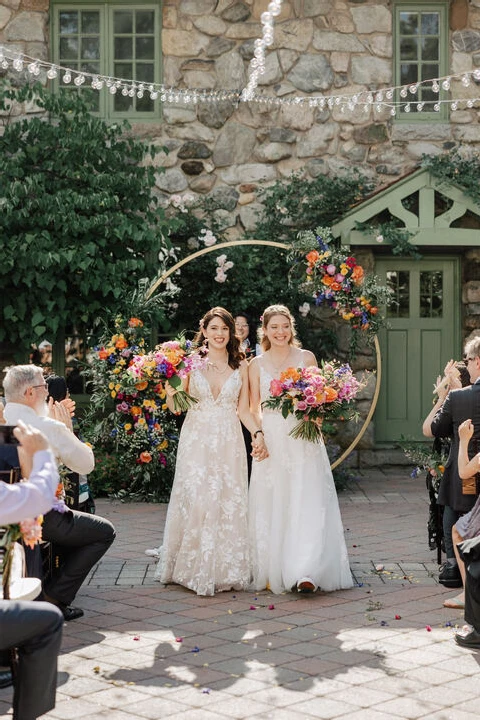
{"x":330,"y":394}
{"x":357,"y":274}
{"x":135,"y":322}
{"x":145,"y":457}
{"x":335,"y":286}
{"x":373,"y":310}
{"x":327,"y":280}
{"x":290,"y":374}
{"x":135,"y":410}
{"x":141,"y":385}
{"x":312,"y":257}
{"x":102,"y":354}
{"x":121,"y":343}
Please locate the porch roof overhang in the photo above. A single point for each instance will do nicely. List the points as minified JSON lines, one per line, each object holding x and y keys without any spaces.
{"x":428,"y":228}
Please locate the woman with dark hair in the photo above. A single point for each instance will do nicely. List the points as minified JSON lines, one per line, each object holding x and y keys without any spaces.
{"x":246,"y":332}
{"x":205,"y":546}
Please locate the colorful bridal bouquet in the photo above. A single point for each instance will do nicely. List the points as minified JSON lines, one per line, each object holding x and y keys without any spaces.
{"x":314,"y":394}
{"x":170,"y":363}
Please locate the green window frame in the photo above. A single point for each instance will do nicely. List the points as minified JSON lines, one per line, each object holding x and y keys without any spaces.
{"x":117,"y":39}
{"x":421,"y":33}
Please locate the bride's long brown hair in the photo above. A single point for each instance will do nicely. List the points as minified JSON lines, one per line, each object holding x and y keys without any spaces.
{"x":235,"y":354}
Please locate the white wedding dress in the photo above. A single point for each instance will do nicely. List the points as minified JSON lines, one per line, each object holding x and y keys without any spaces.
{"x":295,"y":525}
{"x":205,"y":546}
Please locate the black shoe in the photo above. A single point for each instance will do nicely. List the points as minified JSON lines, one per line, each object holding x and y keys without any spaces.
{"x":471,"y":639}
{"x":71,"y":613}
{"x":450,"y":576}
{"x":6,"y":678}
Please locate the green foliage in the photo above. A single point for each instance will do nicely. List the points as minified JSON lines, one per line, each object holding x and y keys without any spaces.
{"x":399,"y":238}
{"x":299,"y":204}
{"x":424,"y":457}
{"x":79,"y":222}
{"x":463,"y":170}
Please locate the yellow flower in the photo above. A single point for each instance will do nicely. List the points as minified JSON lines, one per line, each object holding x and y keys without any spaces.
{"x":111,"y":386}
{"x":113,"y":394}
{"x":163,"y":445}
{"x":164,"y":406}
{"x":117,"y":387}
{"x":127,"y":426}
{"x":141,"y":421}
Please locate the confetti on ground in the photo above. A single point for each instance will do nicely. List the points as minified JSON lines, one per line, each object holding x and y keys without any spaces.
{"x":252,"y":607}
{"x":428,"y":628}
{"x":383,"y":623}
{"x":96,"y":669}
{"x":398,"y":617}
{"x":230,"y":612}
{"x":195,"y":649}
{"x":179,"y":639}
{"x":136,"y":637}
{"x":271,"y":607}
{"x":379,"y":568}
{"x":206,"y":691}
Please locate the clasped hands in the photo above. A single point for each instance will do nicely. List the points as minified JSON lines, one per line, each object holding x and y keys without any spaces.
{"x":259,"y":449}
{"x":450,"y":381}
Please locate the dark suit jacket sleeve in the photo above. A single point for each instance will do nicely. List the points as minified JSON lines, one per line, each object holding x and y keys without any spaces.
{"x":442,"y":423}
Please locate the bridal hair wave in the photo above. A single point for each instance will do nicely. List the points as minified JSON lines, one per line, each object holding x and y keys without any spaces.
{"x":268,"y":313}
{"x":235,"y":354}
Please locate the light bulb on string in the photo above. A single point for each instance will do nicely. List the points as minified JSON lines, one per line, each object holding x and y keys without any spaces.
{"x":403,"y":92}
{"x":454,"y":105}
{"x":465,"y":81}
{"x":446,"y":84}
{"x":393,"y":112}
{"x":413,"y":89}
{"x":470,"y":103}
{"x":17,"y":64}
{"x":435,"y":87}
{"x":79,"y":80}
{"x":436,"y":107}
{"x":125,"y":91}
{"x":112,"y":89}
{"x":407,"y":108}
{"x":389,"y":94}
{"x":420,"y":106}
{"x":67,"y":77}
{"x":52,"y":73}
{"x":4,"y":63}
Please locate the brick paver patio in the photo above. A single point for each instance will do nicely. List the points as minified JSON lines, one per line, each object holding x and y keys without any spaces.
{"x":382,"y":650}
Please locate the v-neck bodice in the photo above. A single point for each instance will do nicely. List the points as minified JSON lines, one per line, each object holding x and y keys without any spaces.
{"x":227,"y":397}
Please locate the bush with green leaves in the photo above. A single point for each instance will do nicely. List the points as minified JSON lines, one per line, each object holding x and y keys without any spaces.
{"x":79,"y":220}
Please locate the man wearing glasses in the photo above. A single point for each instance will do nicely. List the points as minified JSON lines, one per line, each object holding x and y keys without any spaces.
{"x":457,"y":496}
{"x":84,"y":537}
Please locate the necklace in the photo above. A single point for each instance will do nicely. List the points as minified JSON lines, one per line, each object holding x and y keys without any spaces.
{"x":277,"y":367}
{"x":215,"y":367}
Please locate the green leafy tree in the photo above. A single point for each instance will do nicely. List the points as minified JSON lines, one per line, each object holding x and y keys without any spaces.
{"x":79,"y":219}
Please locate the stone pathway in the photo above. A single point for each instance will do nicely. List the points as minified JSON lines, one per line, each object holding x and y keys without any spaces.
{"x":382,"y":650}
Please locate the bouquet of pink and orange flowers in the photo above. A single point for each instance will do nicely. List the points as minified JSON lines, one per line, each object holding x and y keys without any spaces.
{"x":313,"y":394}
{"x":170,"y":363}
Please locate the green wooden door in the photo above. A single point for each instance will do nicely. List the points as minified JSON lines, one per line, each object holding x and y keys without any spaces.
{"x":422,"y":336}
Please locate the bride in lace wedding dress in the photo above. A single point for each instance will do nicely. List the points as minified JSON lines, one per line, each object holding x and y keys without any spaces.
{"x":296,"y":531}
{"x":205,"y":546}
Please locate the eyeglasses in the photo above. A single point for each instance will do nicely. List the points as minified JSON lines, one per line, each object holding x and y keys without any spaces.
{"x":467,"y":359}
{"x":240,"y":327}
{"x":43,"y":385}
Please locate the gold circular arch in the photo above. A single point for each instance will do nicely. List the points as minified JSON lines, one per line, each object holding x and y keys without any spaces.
{"x":282,"y":246}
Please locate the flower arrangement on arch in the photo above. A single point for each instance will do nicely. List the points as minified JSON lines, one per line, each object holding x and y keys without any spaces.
{"x":334,"y":278}
{"x":314,"y":394}
{"x":128,"y":421}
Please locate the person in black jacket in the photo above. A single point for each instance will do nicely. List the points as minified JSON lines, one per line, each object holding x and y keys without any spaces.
{"x":457,"y":496}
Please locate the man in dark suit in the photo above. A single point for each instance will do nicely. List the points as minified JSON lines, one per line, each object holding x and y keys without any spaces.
{"x":457,"y":496}
{"x":470,"y":553}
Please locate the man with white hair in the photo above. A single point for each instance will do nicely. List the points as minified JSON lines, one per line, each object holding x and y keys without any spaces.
{"x":84,"y":537}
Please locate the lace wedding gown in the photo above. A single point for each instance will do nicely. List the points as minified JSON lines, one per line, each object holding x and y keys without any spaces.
{"x":294,"y":519}
{"x":205,"y":546}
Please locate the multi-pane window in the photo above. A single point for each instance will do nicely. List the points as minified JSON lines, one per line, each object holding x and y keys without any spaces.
{"x":421,"y":50}
{"x":115,"y":41}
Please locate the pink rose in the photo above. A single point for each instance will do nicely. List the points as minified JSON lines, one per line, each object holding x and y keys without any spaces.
{"x":311,"y":400}
{"x":339,"y":278}
{"x":302,"y":405}
{"x":276,"y":388}
{"x":331,"y":269}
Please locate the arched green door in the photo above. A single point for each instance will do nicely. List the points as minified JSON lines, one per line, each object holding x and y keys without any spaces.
{"x":423,"y":334}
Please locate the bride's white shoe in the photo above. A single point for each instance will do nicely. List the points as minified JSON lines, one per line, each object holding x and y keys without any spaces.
{"x":153,"y":552}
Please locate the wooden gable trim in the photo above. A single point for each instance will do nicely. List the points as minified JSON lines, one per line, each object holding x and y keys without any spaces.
{"x":428,"y":229}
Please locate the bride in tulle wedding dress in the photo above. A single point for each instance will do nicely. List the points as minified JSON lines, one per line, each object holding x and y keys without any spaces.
{"x":205,"y":546}
{"x":296,"y":533}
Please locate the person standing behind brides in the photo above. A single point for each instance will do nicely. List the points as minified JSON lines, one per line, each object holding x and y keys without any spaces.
{"x":296,"y":532}
{"x":205,"y":545}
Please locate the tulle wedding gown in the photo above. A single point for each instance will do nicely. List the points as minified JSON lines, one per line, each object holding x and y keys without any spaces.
{"x":295,"y":525}
{"x":205,"y":545}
